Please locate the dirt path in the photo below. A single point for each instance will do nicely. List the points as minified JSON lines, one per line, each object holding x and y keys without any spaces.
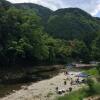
{"x":43,"y":90}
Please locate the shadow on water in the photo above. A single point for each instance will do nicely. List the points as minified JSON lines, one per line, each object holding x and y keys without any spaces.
{"x":10,"y":86}
{"x":6,"y":89}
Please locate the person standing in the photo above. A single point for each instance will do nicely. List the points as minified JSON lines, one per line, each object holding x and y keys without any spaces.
{"x":64,"y":82}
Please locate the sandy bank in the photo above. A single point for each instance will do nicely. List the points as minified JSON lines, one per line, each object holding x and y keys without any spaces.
{"x":43,"y":90}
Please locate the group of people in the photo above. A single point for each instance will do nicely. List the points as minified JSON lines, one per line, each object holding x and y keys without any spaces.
{"x":71,"y":81}
{"x":63,"y":90}
{"x":60,"y":91}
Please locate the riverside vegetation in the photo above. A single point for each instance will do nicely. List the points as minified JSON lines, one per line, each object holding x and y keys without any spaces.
{"x":64,"y":35}
{"x":92,"y":89}
{"x":33,"y":35}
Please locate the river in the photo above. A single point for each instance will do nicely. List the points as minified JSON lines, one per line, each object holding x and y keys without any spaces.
{"x":6,"y":89}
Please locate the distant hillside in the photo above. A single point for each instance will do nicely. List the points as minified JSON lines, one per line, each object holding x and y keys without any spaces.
{"x":4,"y":3}
{"x":67,"y":23}
{"x":24,"y":38}
{"x":40,"y":10}
{"x":71,"y":23}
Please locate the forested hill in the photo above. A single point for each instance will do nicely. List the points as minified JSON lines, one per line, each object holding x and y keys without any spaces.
{"x":4,"y":3}
{"x":68,"y":34}
{"x":40,"y":10}
{"x":67,"y":23}
{"x":71,"y":23}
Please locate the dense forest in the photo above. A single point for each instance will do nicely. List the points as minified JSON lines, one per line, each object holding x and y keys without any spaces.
{"x":33,"y":35}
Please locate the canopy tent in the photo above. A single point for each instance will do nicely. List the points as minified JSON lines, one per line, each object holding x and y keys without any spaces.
{"x":83,"y":75}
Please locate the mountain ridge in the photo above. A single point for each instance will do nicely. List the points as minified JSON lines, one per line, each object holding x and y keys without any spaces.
{"x":65,"y":23}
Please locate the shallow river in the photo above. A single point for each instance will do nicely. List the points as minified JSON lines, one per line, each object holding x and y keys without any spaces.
{"x":6,"y":89}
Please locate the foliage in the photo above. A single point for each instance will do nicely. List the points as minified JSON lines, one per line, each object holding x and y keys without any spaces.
{"x":96,"y":48}
{"x":23,"y":37}
{"x":26,"y":32}
{"x":92,"y":72}
{"x":77,"y":95}
{"x":72,"y":23}
{"x":41,"y":11}
{"x":98,"y":68}
{"x":80,"y":50}
{"x":90,"y":84}
{"x":81,"y":94}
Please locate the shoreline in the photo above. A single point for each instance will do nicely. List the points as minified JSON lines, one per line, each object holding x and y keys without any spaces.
{"x":31,"y":74}
{"x":12,"y":85}
{"x":42,"y":90}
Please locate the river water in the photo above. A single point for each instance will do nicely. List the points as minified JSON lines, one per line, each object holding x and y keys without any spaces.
{"x":6,"y":89}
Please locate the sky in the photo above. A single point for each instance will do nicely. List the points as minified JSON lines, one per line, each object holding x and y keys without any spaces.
{"x":90,"y":6}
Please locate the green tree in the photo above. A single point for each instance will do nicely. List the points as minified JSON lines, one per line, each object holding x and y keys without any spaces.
{"x":96,"y":48}
{"x":80,"y":50}
{"x":98,"y":68}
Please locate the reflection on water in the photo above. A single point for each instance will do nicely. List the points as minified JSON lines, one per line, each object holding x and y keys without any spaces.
{"x":6,"y":89}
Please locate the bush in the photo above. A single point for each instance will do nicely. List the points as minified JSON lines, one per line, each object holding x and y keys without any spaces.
{"x":76,"y":95}
{"x":94,"y":89}
{"x":90,"y":84}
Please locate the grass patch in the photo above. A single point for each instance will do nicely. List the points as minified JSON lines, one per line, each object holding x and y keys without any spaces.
{"x":97,"y":88}
{"x":76,"y":95}
{"x":93,"y":72}
{"x":81,"y":93}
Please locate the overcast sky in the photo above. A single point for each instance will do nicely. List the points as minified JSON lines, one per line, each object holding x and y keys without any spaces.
{"x":91,"y":6}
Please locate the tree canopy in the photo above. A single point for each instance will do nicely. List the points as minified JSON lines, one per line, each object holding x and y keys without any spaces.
{"x":68,"y":34}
